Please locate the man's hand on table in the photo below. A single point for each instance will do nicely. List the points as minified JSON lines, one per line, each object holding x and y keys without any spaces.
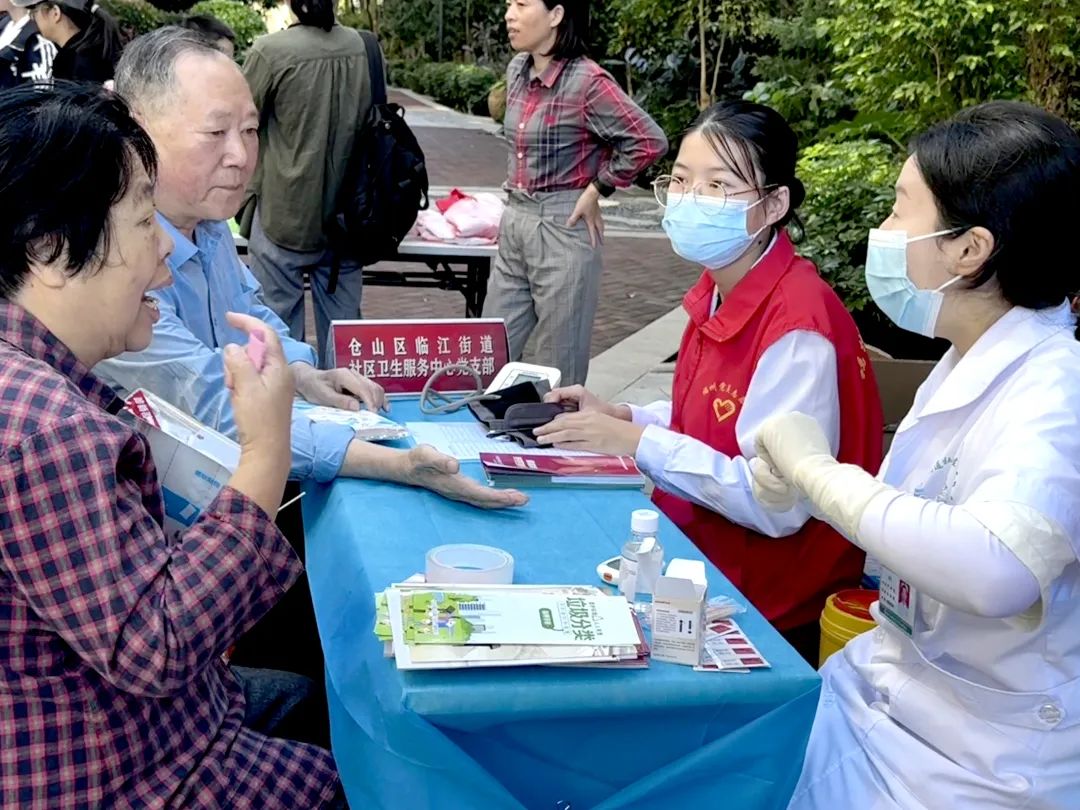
{"x":338,"y":388}
{"x":430,"y":469}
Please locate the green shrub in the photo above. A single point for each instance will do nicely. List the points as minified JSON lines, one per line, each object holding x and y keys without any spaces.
{"x":473,"y":84}
{"x":173,"y":6}
{"x":137,"y":17}
{"x":462,"y":87}
{"x":849,"y":189}
{"x":360,"y":20}
{"x":401,"y":72}
{"x":245,"y":21}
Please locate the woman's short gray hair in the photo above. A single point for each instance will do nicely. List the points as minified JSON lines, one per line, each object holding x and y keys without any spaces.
{"x":145,"y":74}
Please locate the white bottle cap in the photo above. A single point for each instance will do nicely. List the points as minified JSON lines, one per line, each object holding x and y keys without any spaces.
{"x":644,"y":521}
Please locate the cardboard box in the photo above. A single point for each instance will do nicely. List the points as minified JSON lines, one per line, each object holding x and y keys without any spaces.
{"x":678,"y":626}
{"x":193,"y":462}
{"x":897,"y":380}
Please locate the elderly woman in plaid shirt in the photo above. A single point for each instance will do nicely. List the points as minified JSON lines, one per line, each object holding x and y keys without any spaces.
{"x":574,"y":137}
{"x":113,"y":691}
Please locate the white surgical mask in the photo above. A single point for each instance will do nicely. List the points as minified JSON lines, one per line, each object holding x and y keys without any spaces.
{"x":709,"y":232}
{"x":893,"y":290}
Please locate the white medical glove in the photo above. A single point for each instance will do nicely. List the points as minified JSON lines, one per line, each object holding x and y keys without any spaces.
{"x":770,"y":490}
{"x":796,"y":453}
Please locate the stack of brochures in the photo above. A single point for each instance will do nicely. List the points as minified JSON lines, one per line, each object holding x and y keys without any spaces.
{"x":457,"y":626}
{"x":522,"y":470}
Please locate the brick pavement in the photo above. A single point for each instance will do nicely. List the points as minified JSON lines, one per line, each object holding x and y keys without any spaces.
{"x":642,"y":280}
{"x":467,"y":157}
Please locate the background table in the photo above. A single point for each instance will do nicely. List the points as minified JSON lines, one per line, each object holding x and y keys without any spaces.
{"x":464,"y":268}
{"x":497,"y":739}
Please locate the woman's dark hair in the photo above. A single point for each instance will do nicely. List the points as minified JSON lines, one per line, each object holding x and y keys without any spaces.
{"x":1013,"y":169}
{"x":67,"y":156}
{"x":316,"y":13}
{"x":570,"y":39}
{"x":747,"y":135}
{"x":84,"y":14}
{"x":208,"y":26}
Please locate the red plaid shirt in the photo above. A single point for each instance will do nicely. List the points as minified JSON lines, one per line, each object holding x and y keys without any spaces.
{"x":112,"y":689}
{"x":573,"y":124}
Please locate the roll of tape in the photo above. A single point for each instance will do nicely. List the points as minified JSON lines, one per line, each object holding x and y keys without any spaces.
{"x":467,"y":563}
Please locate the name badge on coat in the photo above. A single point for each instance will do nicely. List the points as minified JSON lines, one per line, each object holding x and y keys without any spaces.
{"x":897,"y":601}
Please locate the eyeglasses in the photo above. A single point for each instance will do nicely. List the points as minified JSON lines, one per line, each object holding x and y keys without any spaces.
{"x":671,"y":190}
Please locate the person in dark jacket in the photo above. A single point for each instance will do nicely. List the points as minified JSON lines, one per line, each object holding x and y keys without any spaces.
{"x":25,"y":55}
{"x":87,"y":38}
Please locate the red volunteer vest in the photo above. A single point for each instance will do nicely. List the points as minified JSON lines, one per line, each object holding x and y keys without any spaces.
{"x":787,"y":579}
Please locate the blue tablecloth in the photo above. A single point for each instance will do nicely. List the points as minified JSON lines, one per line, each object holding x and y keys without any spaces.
{"x":533,"y":737}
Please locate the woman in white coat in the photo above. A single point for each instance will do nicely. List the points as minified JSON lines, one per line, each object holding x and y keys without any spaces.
{"x":967,"y":695}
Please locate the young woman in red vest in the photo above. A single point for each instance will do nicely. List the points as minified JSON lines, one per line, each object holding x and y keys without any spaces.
{"x":766,"y":335}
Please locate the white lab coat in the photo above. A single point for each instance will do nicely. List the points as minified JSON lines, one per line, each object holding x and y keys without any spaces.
{"x":972,"y":712}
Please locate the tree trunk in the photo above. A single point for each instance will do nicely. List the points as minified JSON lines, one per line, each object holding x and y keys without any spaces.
{"x":716,"y":65}
{"x":468,"y":29}
{"x":703,"y":90}
{"x":1048,"y":83}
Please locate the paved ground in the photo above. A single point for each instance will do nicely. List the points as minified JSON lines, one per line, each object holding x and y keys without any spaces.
{"x":642,"y":280}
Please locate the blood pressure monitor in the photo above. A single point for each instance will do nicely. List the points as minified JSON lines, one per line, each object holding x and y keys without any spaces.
{"x":516,"y":373}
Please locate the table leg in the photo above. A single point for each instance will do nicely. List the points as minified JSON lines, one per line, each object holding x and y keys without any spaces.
{"x":479,"y":271}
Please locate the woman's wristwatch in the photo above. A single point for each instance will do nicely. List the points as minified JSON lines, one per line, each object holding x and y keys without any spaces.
{"x":604,"y":189}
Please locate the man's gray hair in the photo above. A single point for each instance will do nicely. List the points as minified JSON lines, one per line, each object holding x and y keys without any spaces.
{"x":145,"y":74}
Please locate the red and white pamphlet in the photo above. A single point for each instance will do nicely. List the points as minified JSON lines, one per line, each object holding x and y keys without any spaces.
{"x":523,"y":470}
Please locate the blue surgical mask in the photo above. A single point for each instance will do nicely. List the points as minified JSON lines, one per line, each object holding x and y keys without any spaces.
{"x":708,"y":232}
{"x":893,"y":291}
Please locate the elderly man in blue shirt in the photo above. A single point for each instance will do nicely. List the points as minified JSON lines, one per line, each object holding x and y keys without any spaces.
{"x":197,"y":108}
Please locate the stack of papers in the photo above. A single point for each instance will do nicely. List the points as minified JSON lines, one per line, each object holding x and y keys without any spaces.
{"x":456,"y":626}
{"x":522,"y":470}
{"x":369,"y":426}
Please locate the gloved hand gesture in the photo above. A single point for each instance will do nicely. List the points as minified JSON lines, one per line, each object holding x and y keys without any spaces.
{"x":783,"y":441}
{"x":795,"y":460}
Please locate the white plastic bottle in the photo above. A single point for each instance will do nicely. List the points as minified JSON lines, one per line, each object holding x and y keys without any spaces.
{"x":642,"y":559}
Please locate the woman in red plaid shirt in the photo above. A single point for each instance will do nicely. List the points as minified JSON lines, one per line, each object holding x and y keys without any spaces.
{"x":574,"y":137}
{"x":113,"y":691}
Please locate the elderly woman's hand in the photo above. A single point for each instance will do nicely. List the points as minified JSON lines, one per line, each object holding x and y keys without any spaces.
{"x":262,"y":405}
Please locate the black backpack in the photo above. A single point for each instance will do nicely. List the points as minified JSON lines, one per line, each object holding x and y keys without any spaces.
{"x":386,"y":182}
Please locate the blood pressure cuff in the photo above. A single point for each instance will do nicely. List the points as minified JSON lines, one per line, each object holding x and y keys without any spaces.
{"x":516,"y":410}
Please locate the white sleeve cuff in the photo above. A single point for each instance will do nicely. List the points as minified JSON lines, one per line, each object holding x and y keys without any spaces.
{"x":655,"y":413}
{"x":655,"y":446}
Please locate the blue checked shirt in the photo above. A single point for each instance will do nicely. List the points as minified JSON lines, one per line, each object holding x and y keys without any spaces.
{"x":184,"y":364}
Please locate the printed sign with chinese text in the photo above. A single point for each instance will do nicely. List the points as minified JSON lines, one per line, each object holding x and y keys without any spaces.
{"x":402,"y":355}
